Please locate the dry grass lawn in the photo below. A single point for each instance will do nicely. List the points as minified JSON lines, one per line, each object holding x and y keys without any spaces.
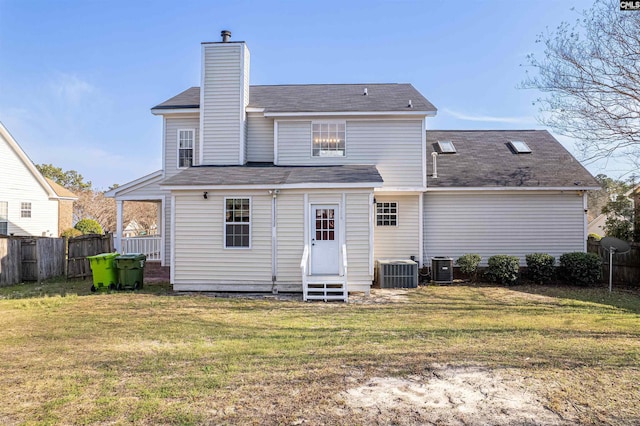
{"x":68,"y":356}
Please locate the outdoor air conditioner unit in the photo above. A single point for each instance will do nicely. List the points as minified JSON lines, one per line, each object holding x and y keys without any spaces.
{"x":397,"y":273}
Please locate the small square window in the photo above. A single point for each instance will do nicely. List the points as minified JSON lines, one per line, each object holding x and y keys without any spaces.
{"x":25,"y":209}
{"x":387,"y":214}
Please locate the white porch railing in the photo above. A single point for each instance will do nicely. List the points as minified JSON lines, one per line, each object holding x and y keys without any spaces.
{"x":324,"y":287}
{"x":304,"y":268}
{"x":149,"y":246}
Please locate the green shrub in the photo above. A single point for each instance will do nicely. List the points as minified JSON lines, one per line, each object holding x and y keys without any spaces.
{"x":468,"y":264}
{"x":70,"y":233}
{"x":540,"y":267}
{"x":580,"y":268}
{"x":503,"y":269}
{"x":88,"y":226}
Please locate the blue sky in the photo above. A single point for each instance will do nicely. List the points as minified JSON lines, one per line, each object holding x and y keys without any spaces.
{"x":77,"y":78}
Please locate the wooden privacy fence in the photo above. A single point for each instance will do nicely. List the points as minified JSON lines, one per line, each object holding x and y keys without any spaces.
{"x":626,"y":267}
{"x":31,"y":259}
{"x":86,"y":245}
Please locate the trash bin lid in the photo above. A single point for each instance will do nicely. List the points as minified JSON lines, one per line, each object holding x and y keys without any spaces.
{"x":133,"y":256}
{"x":104,"y":256}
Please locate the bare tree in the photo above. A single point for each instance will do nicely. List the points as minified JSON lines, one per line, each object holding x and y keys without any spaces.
{"x":590,"y":74}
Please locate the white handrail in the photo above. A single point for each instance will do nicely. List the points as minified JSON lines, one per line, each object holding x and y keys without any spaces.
{"x":344,"y":260}
{"x":304,"y":264}
{"x":344,"y":271}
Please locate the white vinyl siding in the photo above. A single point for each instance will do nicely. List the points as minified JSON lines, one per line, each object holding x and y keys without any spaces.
{"x":401,"y":241}
{"x":491,"y":223}
{"x":172,"y":125}
{"x":18,"y":185}
{"x":223,"y":101}
{"x":259,"y":138}
{"x":394,"y":146}
{"x":290,"y":235}
{"x":357,"y":230}
{"x":200,"y":256}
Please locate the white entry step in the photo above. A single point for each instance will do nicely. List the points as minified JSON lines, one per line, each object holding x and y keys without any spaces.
{"x":318,"y":288}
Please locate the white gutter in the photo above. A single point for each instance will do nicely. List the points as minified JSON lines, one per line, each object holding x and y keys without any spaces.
{"x":513,"y":188}
{"x":350,"y":113}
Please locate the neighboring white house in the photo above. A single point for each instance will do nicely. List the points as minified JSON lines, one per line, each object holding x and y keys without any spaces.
{"x":273,"y":188}
{"x":29,"y":204}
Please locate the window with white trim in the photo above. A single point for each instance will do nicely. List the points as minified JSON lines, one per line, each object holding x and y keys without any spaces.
{"x":25,"y":209}
{"x":328,"y":139}
{"x":387,"y":214}
{"x":186,"y":140}
{"x":4,"y":217}
{"x":237,"y":227}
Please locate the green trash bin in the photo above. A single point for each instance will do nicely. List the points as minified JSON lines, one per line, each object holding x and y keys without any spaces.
{"x":102,"y":269}
{"x":130,"y":269}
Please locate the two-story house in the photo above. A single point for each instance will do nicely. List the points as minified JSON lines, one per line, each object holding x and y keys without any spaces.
{"x":280,"y":188}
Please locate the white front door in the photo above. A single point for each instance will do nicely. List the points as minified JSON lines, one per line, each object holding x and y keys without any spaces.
{"x":325,"y":240}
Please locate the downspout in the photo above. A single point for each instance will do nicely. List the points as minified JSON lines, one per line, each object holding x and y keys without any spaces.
{"x":274,"y":240}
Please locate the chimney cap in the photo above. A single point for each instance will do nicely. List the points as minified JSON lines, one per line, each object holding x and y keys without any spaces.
{"x":226,"y":35}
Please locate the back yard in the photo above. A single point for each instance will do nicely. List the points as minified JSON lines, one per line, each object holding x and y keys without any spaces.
{"x":433,"y":355}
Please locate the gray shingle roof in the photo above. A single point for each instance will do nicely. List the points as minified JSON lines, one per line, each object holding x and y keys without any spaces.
{"x":260,"y":174}
{"x":321,"y":98}
{"x":484,"y":159}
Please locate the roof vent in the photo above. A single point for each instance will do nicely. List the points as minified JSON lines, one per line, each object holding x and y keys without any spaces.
{"x":410,"y":104}
{"x":519,"y":147}
{"x":226,"y":35}
{"x":365,"y":92}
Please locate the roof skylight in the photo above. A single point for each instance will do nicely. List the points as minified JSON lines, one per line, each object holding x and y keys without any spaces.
{"x":446,"y":147}
{"x":520,"y":147}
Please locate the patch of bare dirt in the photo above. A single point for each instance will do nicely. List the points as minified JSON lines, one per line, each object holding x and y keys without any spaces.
{"x":381,"y":295}
{"x":451,"y":396}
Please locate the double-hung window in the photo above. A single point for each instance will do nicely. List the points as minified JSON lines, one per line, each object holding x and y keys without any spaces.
{"x":25,"y":209}
{"x":328,"y":139}
{"x":387,"y":214}
{"x":4,"y":218}
{"x":237,"y":227}
{"x":186,"y":140}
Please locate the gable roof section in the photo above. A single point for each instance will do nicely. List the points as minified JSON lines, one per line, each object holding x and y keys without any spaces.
{"x":6,"y":136}
{"x":299,"y":98}
{"x":484,"y":160}
{"x":260,"y":175}
{"x":61,"y":191}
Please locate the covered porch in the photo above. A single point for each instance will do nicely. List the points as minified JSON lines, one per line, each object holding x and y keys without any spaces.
{"x":153,"y":241}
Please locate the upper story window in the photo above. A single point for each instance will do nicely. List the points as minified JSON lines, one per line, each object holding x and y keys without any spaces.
{"x":186,"y":139}
{"x":387,"y":214}
{"x":328,"y":139}
{"x":237,"y":227}
{"x":25,"y":209}
{"x":4,"y":217}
